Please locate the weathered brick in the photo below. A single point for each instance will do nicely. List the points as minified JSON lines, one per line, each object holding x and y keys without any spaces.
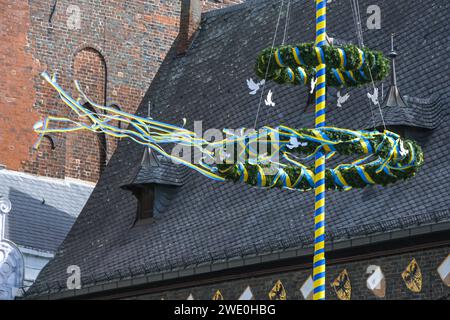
{"x":116,"y":53}
{"x":392,"y":267}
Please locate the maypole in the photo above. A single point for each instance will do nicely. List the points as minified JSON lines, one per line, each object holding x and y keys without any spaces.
{"x":319,"y":172}
{"x":384,"y":156}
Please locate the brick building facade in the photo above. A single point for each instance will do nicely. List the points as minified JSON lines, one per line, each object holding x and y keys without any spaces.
{"x":114,"y":49}
{"x":201,"y":235}
{"x":260,"y":285}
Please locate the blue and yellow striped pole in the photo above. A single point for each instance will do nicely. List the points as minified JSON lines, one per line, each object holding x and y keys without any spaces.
{"x":319,"y":175}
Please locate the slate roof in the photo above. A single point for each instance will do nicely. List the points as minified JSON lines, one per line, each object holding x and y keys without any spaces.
{"x":210,"y":221}
{"x":156,"y":169}
{"x":43,"y":209}
{"x":419,"y":113}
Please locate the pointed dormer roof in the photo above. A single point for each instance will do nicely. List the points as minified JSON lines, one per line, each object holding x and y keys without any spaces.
{"x":149,"y":159}
{"x":156,"y":169}
{"x":393,"y":97}
{"x":408,"y":111}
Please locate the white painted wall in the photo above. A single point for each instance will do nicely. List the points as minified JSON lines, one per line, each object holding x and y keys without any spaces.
{"x":35,"y":260}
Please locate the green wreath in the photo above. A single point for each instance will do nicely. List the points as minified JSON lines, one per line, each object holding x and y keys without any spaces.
{"x":390,"y":161}
{"x":346,"y":66}
{"x":385,"y":161}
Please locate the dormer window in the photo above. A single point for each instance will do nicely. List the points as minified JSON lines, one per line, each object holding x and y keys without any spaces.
{"x":145,"y":196}
{"x":409,"y":117}
{"x":154,"y":183}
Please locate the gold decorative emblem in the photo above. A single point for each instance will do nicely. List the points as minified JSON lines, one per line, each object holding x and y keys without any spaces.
{"x":413,"y":276}
{"x":342,"y":286}
{"x":278,"y":292}
{"x":217,"y":295}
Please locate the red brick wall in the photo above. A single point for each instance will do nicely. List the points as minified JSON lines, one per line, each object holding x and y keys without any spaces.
{"x":86,"y":152}
{"x":128,"y":39}
{"x":17,"y":95}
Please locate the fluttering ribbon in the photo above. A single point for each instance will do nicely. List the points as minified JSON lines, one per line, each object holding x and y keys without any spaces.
{"x":388,"y":166}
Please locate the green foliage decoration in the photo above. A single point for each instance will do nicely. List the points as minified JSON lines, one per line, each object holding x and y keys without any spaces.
{"x":361,"y":66}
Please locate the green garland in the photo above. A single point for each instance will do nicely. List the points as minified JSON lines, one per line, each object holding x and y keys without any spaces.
{"x":385,"y":158}
{"x":400,"y":167}
{"x":360,"y":67}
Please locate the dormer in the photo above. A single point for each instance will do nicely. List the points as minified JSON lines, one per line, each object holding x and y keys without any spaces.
{"x":154,"y":183}
{"x":410,"y":117}
{"x":393,"y":98}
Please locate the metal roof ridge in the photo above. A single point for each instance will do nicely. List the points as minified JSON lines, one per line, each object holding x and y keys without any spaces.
{"x":67,"y":181}
{"x":236,"y":7}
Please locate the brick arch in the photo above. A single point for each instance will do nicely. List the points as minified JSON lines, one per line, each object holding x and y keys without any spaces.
{"x":87,"y":47}
{"x":86,"y":152}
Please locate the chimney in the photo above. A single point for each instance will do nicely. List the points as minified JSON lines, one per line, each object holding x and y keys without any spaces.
{"x":191,"y":14}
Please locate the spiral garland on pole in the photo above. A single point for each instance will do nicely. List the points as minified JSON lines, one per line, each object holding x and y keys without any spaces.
{"x":319,"y":173}
{"x":347,"y":66}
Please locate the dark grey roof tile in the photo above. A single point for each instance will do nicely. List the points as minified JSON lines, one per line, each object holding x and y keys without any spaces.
{"x":43,"y":209}
{"x":207,"y":220}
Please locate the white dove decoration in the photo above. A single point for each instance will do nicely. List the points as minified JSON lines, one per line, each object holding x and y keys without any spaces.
{"x":373,"y":97}
{"x":330,"y":40}
{"x":403,"y":151}
{"x":313,"y":85}
{"x":269,"y":102}
{"x":253,"y":86}
{"x":294,"y":143}
{"x":342,"y":99}
{"x":224,"y":155}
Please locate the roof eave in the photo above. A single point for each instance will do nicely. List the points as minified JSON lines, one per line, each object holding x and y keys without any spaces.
{"x":252,"y":260}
